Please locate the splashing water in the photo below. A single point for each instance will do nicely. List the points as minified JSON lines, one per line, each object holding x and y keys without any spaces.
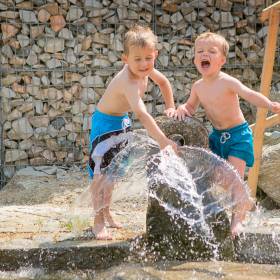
{"x":198,"y":184}
{"x":196,"y":189}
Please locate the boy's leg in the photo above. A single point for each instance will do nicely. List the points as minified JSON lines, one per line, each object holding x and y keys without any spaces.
{"x":107,"y":200}
{"x":239,"y":165}
{"x":97,"y":193}
{"x":239,"y":195}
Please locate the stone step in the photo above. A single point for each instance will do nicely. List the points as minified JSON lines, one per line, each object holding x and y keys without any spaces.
{"x":66,"y":255}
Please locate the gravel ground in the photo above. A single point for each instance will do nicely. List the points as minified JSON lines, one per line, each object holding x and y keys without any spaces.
{"x":44,"y":191}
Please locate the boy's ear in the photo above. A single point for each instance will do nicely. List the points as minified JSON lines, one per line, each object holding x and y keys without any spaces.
{"x":224,"y":60}
{"x":156,"y":53}
{"x":124,"y":58}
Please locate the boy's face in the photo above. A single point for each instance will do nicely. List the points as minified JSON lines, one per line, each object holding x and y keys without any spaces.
{"x":140,"y":60}
{"x":209,"y":57}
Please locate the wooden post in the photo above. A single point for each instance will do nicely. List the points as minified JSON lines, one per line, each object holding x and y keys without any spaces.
{"x":272,"y":13}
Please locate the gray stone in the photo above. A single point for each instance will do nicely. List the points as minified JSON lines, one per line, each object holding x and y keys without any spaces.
{"x":22,"y":129}
{"x":10,"y":144}
{"x":50,"y":170}
{"x":14,"y":115}
{"x":28,"y":16}
{"x":74,"y":13}
{"x":25,"y":144}
{"x":177,"y":230}
{"x":269,"y":176}
{"x":7,"y":51}
{"x":66,"y":34}
{"x":14,"y":155}
{"x":191,"y":130}
{"x":39,"y":121}
{"x":32,"y":59}
{"x":88,"y":95}
{"x":170,"y":234}
{"x":7,"y":93}
{"x":53,"y":63}
{"x":30,"y":171}
{"x":54,"y":45}
{"x":226,"y":20}
{"x":92,"y":4}
{"x":3,"y":7}
{"x":23,"y":40}
{"x":58,"y":123}
{"x":91,"y":81}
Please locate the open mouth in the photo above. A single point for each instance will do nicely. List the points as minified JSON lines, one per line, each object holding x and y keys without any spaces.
{"x":205,"y":64}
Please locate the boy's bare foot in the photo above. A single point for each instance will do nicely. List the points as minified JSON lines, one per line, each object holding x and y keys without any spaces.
{"x":99,"y":229}
{"x":252,"y":206}
{"x":114,"y":224}
{"x":236,"y":220}
{"x":235,"y":230}
{"x":109,"y":218}
{"x":102,"y":234}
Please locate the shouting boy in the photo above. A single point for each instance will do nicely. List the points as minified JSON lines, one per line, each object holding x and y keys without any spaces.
{"x":218,"y":93}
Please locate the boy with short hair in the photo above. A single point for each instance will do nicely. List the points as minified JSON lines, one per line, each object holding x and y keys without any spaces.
{"x":110,"y":120}
{"x":218,"y":93}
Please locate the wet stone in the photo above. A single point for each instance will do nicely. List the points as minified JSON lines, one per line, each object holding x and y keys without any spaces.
{"x":191,"y":131}
{"x":177,"y":228}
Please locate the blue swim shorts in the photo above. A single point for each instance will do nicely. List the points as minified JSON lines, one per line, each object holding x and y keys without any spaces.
{"x":107,"y":138}
{"x":236,"y":142}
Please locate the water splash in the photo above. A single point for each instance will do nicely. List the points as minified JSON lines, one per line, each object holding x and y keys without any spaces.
{"x":199,"y":186}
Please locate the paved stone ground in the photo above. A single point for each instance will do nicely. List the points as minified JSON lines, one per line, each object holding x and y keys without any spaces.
{"x":39,"y":208}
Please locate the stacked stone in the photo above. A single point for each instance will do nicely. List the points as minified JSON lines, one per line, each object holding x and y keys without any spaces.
{"x":58,"y":56}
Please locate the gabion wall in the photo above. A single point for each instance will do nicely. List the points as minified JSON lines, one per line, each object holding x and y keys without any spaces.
{"x":58,"y":56}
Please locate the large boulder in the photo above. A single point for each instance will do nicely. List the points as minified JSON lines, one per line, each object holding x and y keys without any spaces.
{"x":186,"y":216}
{"x":269,"y":177}
{"x":190,"y":131}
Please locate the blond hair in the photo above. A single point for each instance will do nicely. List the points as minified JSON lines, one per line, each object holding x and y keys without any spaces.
{"x":215,"y":37}
{"x":139,"y":36}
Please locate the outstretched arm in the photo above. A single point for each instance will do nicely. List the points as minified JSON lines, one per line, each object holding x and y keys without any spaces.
{"x":188,"y":108}
{"x":138,"y":107}
{"x":254,"y":97}
{"x":166,"y":90}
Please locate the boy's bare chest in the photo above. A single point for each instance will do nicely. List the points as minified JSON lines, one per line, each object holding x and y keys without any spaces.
{"x":215,"y":94}
{"x":142,"y":87}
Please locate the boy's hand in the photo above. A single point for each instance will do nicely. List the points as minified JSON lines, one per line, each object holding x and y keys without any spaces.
{"x":182,"y":112}
{"x":167,"y":143}
{"x":274,"y":107}
{"x":171,"y":112}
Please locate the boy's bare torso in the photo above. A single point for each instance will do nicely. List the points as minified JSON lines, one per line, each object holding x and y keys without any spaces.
{"x":221,"y":104}
{"x":114,"y":101}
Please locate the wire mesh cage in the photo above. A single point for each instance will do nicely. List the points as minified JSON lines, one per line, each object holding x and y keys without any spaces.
{"x":57,"y":57}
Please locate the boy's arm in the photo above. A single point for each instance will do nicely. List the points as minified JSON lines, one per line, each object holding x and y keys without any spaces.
{"x":254,"y":97}
{"x":138,"y":107}
{"x":166,"y":90}
{"x":188,"y":108}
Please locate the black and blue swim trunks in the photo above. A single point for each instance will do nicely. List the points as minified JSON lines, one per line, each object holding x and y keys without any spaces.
{"x":107,"y":138}
{"x":236,"y":142}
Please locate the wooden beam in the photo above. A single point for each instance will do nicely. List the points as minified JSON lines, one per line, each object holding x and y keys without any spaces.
{"x":266,"y":12}
{"x":267,"y":71}
{"x":269,"y":122}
